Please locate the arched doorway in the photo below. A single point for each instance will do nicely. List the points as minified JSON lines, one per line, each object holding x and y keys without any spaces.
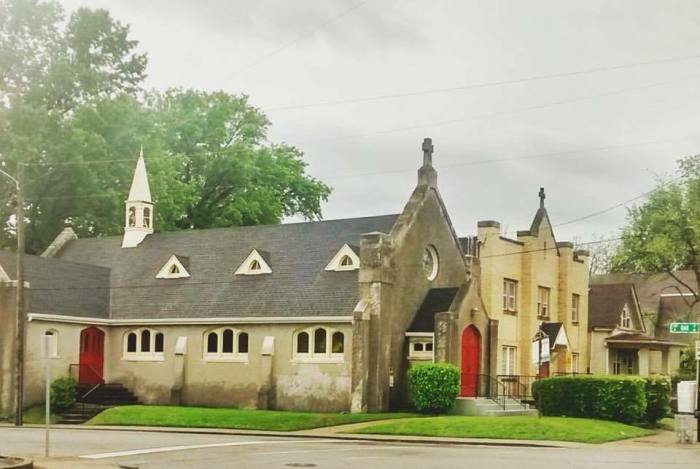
{"x":92,"y":342}
{"x":471,"y":354}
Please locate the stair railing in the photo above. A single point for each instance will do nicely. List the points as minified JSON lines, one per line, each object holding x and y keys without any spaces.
{"x":489,"y":387}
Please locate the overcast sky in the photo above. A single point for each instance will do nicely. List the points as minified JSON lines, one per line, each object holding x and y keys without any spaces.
{"x":592,"y":139}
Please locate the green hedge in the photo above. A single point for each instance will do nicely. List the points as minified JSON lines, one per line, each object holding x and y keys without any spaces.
{"x":62,"y":394}
{"x":434,"y":387}
{"x":609,"y":398}
{"x":658,"y":393}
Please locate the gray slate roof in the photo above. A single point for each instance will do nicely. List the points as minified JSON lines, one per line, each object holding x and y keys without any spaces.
{"x":298,"y":285}
{"x":437,"y":300}
{"x":605,"y":304}
{"x":649,"y":288}
{"x":60,"y":287}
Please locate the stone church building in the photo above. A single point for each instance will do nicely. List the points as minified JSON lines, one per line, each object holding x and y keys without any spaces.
{"x":324,"y":315}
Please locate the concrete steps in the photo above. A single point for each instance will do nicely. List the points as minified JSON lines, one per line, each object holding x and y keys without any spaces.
{"x":101,"y":398}
{"x":487,"y":407}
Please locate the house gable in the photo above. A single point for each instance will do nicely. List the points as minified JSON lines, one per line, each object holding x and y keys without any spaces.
{"x":255,"y":264}
{"x":174,"y":268}
{"x":345,"y":259}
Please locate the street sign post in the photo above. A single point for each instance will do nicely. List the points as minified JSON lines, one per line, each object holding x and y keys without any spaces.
{"x":685,"y":327}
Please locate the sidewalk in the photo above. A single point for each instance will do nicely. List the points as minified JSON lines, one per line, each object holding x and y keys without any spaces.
{"x":330,"y":433}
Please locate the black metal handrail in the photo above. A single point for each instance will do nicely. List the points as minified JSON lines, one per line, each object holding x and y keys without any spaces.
{"x":488,"y":386}
{"x":73,"y":366}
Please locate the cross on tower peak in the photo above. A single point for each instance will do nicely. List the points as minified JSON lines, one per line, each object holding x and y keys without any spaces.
{"x":428,"y":151}
{"x":542,"y":197}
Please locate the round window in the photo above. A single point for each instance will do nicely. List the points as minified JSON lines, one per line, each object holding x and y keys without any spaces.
{"x":430,"y":263}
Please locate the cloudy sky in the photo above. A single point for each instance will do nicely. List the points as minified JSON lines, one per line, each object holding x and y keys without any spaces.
{"x":595,"y":100}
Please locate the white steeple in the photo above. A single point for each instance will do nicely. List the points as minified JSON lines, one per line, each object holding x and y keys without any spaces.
{"x":140,"y":190}
{"x":138,"y":222}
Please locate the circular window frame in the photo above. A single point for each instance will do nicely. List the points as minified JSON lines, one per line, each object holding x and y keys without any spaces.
{"x":432,"y":252}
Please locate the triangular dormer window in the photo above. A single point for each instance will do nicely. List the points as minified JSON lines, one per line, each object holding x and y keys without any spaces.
{"x":257,"y":263}
{"x":345,"y":259}
{"x":174,"y":268}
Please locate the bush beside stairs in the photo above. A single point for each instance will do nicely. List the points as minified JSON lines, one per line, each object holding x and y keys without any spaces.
{"x":101,"y":398}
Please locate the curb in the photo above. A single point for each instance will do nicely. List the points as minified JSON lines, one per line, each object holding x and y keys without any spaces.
{"x":15,"y":462}
{"x":340,"y":437}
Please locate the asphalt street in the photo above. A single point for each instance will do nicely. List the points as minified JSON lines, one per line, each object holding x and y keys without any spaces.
{"x":135,"y":449}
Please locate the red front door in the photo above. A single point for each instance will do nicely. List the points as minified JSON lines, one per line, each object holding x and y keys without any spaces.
{"x":471,"y":350}
{"x":92,"y":341}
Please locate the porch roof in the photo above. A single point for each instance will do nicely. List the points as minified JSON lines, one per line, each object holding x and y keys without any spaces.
{"x":438,"y":300}
{"x":641,"y":339}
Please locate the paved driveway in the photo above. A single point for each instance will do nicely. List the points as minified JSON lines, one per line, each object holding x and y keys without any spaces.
{"x":95,"y":448}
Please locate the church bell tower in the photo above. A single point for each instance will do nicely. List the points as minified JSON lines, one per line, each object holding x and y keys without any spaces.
{"x":139,"y":207}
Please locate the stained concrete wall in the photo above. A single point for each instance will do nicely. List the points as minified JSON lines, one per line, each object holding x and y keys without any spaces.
{"x":292,"y":384}
{"x":393,"y":285}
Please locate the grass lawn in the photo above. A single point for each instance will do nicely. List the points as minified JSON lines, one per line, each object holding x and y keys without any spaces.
{"x":205,"y":417}
{"x":516,"y":427}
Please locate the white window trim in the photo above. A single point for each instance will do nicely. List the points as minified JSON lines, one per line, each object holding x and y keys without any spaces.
{"x":312,"y":357}
{"x":509,"y":360}
{"x":244,"y":268}
{"x":540,"y":304}
{"x":164,"y":272}
{"x":575,"y":362}
{"x":625,"y":315}
{"x":575,"y":307}
{"x":335,"y":264}
{"x":138,"y":355}
{"x":424,"y":354}
{"x":507,"y":296}
{"x":220,"y":356}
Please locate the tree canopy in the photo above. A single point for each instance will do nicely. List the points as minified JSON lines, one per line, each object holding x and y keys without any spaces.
{"x":663,"y":234}
{"x":73,"y":110}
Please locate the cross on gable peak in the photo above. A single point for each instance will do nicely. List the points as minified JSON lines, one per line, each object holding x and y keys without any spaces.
{"x":542,"y":197}
{"x":428,"y":151}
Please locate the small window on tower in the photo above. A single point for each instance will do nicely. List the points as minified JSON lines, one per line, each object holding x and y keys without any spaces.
{"x":132,"y":216}
{"x":147,"y":217}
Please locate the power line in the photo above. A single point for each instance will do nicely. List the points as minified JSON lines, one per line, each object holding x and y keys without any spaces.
{"x":493,"y":114}
{"x":479,"y":85}
{"x":440,"y":167}
{"x":297,"y":39}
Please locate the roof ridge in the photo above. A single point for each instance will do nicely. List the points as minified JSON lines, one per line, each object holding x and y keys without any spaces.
{"x":221,"y":228}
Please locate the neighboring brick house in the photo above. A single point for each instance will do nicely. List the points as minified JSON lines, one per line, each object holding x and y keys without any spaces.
{"x":324,"y":316}
{"x":629,"y":322}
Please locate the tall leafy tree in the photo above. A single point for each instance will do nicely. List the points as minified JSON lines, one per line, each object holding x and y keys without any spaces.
{"x":72,"y":109}
{"x":663,"y":234}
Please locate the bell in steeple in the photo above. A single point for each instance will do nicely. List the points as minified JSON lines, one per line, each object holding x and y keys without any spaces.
{"x":139,"y":207}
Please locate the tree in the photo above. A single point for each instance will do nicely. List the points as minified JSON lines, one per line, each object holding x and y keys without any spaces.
{"x":601,"y":252}
{"x":663,"y":234}
{"x":73,"y":111}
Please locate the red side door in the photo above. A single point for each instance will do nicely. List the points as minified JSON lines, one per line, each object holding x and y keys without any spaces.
{"x":92,"y":341}
{"x":471,"y":352}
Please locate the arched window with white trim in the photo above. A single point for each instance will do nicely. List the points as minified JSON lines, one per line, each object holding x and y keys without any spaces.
{"x":319,"y":344}
{"x":144,"y":345}
{"x":225,"y":344}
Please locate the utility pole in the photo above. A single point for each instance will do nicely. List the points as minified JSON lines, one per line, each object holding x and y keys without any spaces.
{"x":19,"y":300}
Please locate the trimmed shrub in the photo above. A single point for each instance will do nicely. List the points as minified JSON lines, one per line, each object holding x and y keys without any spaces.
{"x":62,"y":394}
{"x":434,"y":387}
{"x":658,"y":393}
{"x":621,"y":399}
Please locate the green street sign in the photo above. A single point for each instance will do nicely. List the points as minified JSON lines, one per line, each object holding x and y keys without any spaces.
{"x":684,"y":327}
